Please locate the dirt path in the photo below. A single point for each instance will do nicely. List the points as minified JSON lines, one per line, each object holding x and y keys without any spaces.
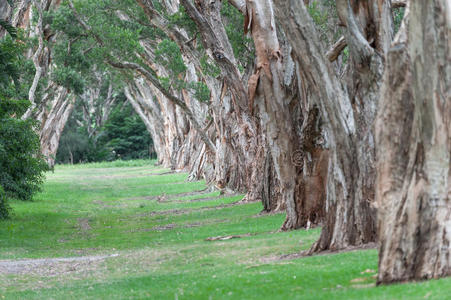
{"x":50,"y":266}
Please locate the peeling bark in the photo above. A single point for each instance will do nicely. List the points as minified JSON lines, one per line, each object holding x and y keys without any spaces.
{"x":5,"y":14}
{"x":39,"y":32}
{"x":239,"y":163}
{"x":53,"y":110}
{"x":273,"y":101}
{"x":348,"y":109}
{"x":96,"y":113}
{"x":414,"y":153}
{"x":53,"y":122}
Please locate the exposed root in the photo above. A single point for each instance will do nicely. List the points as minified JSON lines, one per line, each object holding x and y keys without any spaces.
{"x":228,"y":237}
{"x":306,"y":253}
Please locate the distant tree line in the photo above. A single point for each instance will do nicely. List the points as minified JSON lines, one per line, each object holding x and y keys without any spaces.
{"x":123,"y":136}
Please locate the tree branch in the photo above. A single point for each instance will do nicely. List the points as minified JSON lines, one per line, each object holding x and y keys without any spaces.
{"x":336,"y":49}
{"x":151,"y":78}
{"x":240,"y":5}
{"x":360,"y":48}
{"x":36,"y":61}
{"x":216,"y":41}
{"x":84,"y":24}
{"x":399,"y":3}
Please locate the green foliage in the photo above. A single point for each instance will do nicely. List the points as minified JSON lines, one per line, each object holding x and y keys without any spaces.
{"x":9,"y":60}
{"x":398,"y":15}
{"x":76,"y":53}
{"x":126,"y":135}
{"x":76,"y":59}
{"x":209,"y":69}
{"x":345,"y":54}
{"x":201,"y":91}
{"x":63,"y":20}
{"x":9,"y":28}
{"x":165,"y":82}
{"x":4,"y":207}
{"x":76,"y":146}
{"x":21,"y":164}
{"x":243,"y":47}
{"x":168,"y":55}
{"x":69,"y":78}
{"x":182,"y":20}
{"x":16,"y":72}
{"x":319,"y":17}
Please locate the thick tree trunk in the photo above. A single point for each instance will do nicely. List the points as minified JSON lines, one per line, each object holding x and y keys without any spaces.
{"x":414,"y":148}
{"x":143,"y":98}
{"x":348,"y":112}
{"x":273,"y":103}
{"x":268,"y":141}
{"x":5,"y":14}
{"x":239,"y":163}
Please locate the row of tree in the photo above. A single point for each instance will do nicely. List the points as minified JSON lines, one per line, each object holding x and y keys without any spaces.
{"x":312,"y":107}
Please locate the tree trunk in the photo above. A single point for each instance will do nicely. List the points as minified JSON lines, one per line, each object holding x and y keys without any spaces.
{"x":148,"y":119}
{"x":348,"y":110}
{"x":54,"y":108}
{"x":414,"y":148}
{"x":273,"y":102}
{"x":239,"y":162}
{"x":5,"y":14}
{"x":53,"y":123}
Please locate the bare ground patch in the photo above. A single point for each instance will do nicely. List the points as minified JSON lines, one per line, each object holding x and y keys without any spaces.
{"x":202,"y":199}
{"x":35,"y":274}
{"x":187,"y":210}
{"x":51,"y":266}
{"x":83,"y":224}
{"x":171,"y":226}
{"x":169,"y":197}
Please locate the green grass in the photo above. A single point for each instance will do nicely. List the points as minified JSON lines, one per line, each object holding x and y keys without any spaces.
{"x":113,"y":208}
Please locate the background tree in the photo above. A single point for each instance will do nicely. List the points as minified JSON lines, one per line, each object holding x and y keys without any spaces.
{"x":122,"y":136}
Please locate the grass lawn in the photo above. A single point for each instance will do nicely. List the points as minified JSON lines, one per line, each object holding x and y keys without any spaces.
{"x":138,"y":232}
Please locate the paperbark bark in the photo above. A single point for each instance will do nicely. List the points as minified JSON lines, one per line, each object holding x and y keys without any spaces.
{"x":348,"y":109}
{"x":414,"y":148}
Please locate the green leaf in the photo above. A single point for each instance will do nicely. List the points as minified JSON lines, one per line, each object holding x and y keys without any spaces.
{"x":9,"y":28}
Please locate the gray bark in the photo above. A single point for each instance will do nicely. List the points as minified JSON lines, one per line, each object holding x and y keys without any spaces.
{"x":413,"y":157}
{"x":53,"y":122}
{"x":348,"y":109}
